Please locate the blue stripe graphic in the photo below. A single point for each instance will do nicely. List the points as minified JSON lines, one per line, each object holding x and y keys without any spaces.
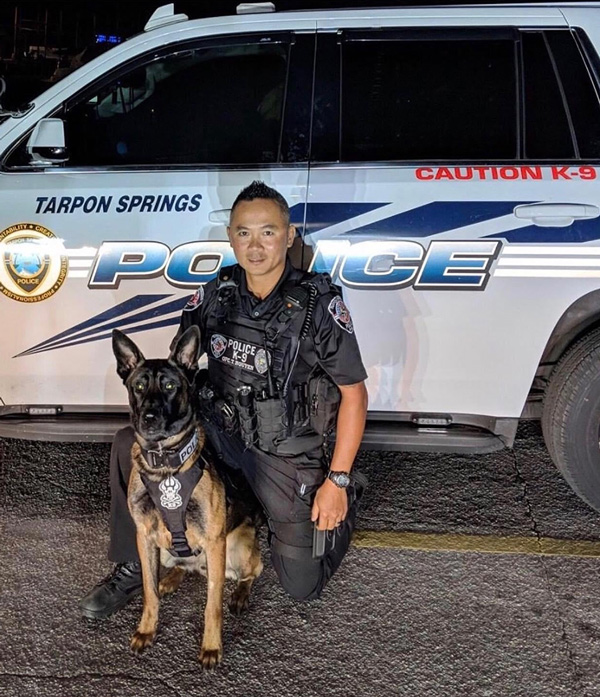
{"x":436,"y":217}
{"x":131,"y":330}
{"x":120,"y":309}
{"x":71,"y":336}
{"x":322,"y":215}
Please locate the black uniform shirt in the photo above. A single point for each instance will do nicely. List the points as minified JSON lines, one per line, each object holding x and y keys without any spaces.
{"x":331,"y":343}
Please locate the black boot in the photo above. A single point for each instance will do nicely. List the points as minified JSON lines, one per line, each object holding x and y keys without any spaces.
{"x":113,"y":592}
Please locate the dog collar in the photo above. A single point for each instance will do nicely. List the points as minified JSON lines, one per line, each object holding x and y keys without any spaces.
{"x":171,"y":458}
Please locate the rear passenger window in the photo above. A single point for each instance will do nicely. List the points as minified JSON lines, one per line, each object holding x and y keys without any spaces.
{"x":455,"y":95}
{"x":548,"y":131}
{"x":427,"y":100}
{"x":580,"y":92}
{"x":211,"y":105}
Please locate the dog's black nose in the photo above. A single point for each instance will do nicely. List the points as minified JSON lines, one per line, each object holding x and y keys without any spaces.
{"x":149,"y":417}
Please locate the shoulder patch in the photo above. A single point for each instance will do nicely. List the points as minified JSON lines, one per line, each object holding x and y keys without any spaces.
{"x":341,"y":315}
{"x":196,"y":300}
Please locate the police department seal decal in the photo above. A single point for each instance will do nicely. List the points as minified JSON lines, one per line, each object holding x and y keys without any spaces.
{"x":196,"y":300}
{"x":261,"y":362}
{"x":341,"y":315}
{"x":170,"y":499}
{"x":33,"y":263}
{"x":218,"y":344}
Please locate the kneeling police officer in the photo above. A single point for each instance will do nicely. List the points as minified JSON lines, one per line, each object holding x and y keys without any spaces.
{"x":284,"y":371}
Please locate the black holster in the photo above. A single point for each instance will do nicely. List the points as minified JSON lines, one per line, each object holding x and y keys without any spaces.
{"x":246,"y":415}
{"x":217,"y":410}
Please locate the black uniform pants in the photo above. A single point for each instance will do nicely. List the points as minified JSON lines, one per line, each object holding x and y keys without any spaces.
{"x":285,"y":488}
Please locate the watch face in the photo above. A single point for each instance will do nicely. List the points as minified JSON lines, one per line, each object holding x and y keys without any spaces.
{"x":340,"y":478}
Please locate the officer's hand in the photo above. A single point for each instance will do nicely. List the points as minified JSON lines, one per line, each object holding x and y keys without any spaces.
{"x":330,"y":506}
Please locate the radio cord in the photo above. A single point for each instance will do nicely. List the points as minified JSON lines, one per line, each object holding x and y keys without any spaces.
{"x":310,"y":308}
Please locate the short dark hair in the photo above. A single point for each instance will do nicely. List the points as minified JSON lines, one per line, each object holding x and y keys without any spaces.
{"x":259,"y":189}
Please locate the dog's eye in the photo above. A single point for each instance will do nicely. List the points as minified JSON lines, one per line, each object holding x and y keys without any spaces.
{"x":139,"y":387}
{"x":169,"y":385}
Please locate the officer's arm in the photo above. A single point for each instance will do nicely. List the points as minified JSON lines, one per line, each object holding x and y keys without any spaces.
{"x":330,"y":506}
{"x":352,"y":415}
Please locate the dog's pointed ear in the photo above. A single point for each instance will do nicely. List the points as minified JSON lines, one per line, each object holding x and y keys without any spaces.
{"x":127,"y":354}
{"x":185,"y":350}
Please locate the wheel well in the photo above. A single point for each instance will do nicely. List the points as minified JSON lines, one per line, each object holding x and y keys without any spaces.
{"x":578,"y":319}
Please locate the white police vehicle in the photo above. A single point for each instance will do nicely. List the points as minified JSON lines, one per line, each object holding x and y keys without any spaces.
{"x":442,"y":164}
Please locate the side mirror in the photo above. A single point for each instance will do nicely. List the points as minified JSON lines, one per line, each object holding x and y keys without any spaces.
{"x":46,"y":145}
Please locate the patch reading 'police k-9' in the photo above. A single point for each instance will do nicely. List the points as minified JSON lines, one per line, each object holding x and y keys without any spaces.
{"x":341,"y":315}
{"x":196,"y":300}
{"x":240,"y":354}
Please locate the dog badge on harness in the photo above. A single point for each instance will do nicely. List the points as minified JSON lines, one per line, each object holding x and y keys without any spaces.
{"x":170,"y":499}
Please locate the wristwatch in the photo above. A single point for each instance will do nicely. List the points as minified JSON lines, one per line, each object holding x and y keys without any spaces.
{"x":340,"y":479}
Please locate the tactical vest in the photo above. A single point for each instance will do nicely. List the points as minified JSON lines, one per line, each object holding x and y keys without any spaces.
{"x":251,"y":361}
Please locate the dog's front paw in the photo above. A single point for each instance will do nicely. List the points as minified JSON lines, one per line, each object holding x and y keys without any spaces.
{"x":210,"y":658}
{"x":239,"y":602}
{"x":170,"y":583}
{"x":140,"y":641}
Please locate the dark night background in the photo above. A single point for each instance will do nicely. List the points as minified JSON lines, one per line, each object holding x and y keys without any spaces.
{"x":41,"y":41}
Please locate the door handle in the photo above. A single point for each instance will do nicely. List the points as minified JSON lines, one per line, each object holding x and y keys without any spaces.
{"x":556,"y":214}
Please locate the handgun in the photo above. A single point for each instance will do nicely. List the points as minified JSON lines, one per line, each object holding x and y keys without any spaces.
{"x":320,"y":539}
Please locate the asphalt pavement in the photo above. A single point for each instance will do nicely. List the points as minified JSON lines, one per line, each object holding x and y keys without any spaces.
{"x":393,"y":621}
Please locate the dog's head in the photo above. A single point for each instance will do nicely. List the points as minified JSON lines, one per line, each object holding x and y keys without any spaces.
{"x":160,"y":390}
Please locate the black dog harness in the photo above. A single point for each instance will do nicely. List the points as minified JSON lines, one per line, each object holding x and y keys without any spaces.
{"x":171,"y":495}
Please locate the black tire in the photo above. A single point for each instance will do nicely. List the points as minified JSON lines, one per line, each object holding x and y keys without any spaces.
{"x":571,"y":417}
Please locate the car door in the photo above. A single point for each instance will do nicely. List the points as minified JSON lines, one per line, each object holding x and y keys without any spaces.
{"x":453,"y":186}
{"x":158,"y":148}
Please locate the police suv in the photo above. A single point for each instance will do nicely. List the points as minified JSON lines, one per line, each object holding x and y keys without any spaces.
{"x":442,"y":164}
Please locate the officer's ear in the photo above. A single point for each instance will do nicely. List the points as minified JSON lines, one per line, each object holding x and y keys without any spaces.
{"x":291,"y":235}
{"x":186,"y":351}
{"x":127,"y":354}
{"x":229,"y":235}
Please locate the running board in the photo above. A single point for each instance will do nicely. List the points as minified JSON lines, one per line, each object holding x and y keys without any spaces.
{"x":67,"y":428}
{"x":402,"y":436}
{"x":379,"y":435}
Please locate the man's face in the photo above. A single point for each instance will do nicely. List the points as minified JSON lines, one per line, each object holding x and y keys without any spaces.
{"x":260,"y":237}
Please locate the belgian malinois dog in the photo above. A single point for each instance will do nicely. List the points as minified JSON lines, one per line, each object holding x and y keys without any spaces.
{"x":214,"y":535}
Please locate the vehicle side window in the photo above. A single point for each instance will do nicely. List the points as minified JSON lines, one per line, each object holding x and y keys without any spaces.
{"x":476,"y":94}
{"x":212,"y":105}
{"x":548,"y":132}
{"x":429,"y":99}
{"x":579,"y":91}
{"x":217,"y":105}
